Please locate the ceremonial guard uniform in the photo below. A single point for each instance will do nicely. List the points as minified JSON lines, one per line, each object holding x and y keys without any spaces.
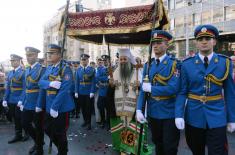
{"x":163,"y":86}
{"x":31,"y":120}
{"x":14,"y":93}
{"x":57,"y":81}
{"x":207,"y":86}
{"x":85,"y":88}
{"x":102,"y":83}
{"x":2,"y":90}
{"x":76,"y":111}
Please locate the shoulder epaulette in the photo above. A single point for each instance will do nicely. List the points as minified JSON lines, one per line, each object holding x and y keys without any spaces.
{"x":188,"y":58}
{"x":225,"y":56}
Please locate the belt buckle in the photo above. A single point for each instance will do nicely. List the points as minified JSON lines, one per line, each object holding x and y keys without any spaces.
{"x":157,"y":98}
{"x":203,"y":99}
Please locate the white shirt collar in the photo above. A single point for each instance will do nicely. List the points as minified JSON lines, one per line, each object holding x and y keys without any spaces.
{"x":17,"y":68}
{"x":33,"y":65}
{"x":84,"y":66}
{"x":209,"y":56}
{"x":161,"y":58}
{"x":57,"y":64}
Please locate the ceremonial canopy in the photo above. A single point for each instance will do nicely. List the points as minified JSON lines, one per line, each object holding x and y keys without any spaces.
{"x":130,"y":25}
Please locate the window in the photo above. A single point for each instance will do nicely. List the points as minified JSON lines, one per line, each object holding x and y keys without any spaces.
{"x":229,"y":12}
{"x":179,"y":4}
{"x":179,"y":23}
{"x":206,"y":17}
{"x":218,"y":15}
{"x":196,"y":19}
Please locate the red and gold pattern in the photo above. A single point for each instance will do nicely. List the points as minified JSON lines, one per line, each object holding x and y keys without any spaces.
{"x":115,"y":21}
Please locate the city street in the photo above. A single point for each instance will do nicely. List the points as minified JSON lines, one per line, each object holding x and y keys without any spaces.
{"x":81,"y":142}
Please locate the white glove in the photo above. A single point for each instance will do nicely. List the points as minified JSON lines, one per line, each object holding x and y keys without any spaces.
{"x":146,"y":87}
{"x":37,"y":109}
{"x":92,"y":95}
{"x":231,"y":127}
{"x":4,"y":104}
{"x":19,"y":103}
{"x":140,"y":117}
{"x":179,"y":122}
{"x":21,"y":107}
{"x":76,"y":95}
{"x":55,"y":84}
{"x":54,"y":113}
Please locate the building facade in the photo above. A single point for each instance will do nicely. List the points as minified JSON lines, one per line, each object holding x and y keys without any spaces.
{"x":74,"y":48}
{"x":185,"y":15}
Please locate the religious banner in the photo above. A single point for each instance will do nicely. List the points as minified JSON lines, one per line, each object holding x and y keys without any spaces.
{"x":119,"y":26}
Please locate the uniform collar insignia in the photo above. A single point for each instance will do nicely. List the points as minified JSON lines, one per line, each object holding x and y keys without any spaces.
{"x":165,"y":62}
{"x":216,"y":60}
{"x":197,"y":61}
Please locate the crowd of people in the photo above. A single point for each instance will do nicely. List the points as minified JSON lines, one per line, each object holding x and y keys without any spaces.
{"x":196,"y":94}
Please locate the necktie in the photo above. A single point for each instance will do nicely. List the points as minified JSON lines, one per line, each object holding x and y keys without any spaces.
{"x":206,"y":62}
{"x":157,"y":61}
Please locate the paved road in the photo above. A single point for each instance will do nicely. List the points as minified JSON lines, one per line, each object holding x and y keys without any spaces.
{"x":94,"y":142}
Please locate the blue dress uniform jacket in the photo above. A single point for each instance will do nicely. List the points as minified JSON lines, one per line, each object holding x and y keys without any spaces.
{"x":32,"y":77}
{"x":102,"y":80}
{"x":165,"y":84}
{"x":73,"y":84}
{"x":215,"y":112}
{"x":59,"y":100}
{"x":15,"y":84}
{"x":85,"y":80}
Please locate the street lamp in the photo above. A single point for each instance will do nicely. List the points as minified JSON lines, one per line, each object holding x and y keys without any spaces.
{"x":187,"y":4}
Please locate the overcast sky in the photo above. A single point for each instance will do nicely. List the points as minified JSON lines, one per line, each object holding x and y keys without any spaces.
{"x":22,"y":23}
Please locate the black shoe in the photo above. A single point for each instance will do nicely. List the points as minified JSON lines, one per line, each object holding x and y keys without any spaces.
{"x":88,"y":127}
{"x":32,"y":149}
{"x":108,"y":127}
{"x":25,"y":138}
{"x":102,"y":125}
{"x":15,"y":139}
{"x":37,"y":152}
{"x":84,"y":124}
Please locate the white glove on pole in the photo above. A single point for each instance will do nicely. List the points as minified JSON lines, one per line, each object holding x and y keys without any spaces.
{"x":19,"y":103}
{"x":231,"y":127}
{"x":21,"y":107}
{"x":37,"y":109}
{"x":140,"y":117}
{"x":76,"y":95}
{"x":146,"y":87}
{"x":54,"y":113}
{"x":55,"y":84}
{"x":92,"y":95}
{"x":4,"y":104}
{"x":179,"y":122}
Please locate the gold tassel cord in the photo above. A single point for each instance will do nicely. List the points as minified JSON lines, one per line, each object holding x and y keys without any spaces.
{"x":216,"y":80}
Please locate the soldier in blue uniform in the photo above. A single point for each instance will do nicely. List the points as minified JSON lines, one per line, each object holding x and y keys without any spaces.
{"x":207,"y":86}
{"x":85,"y":89}
{"x":57,"y":82}
{"x":76,"y":111}
{"x":102,"y":82}
{"x":14,"y":94}
{"x":32,"y":121}
{"x":163,"y":85}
